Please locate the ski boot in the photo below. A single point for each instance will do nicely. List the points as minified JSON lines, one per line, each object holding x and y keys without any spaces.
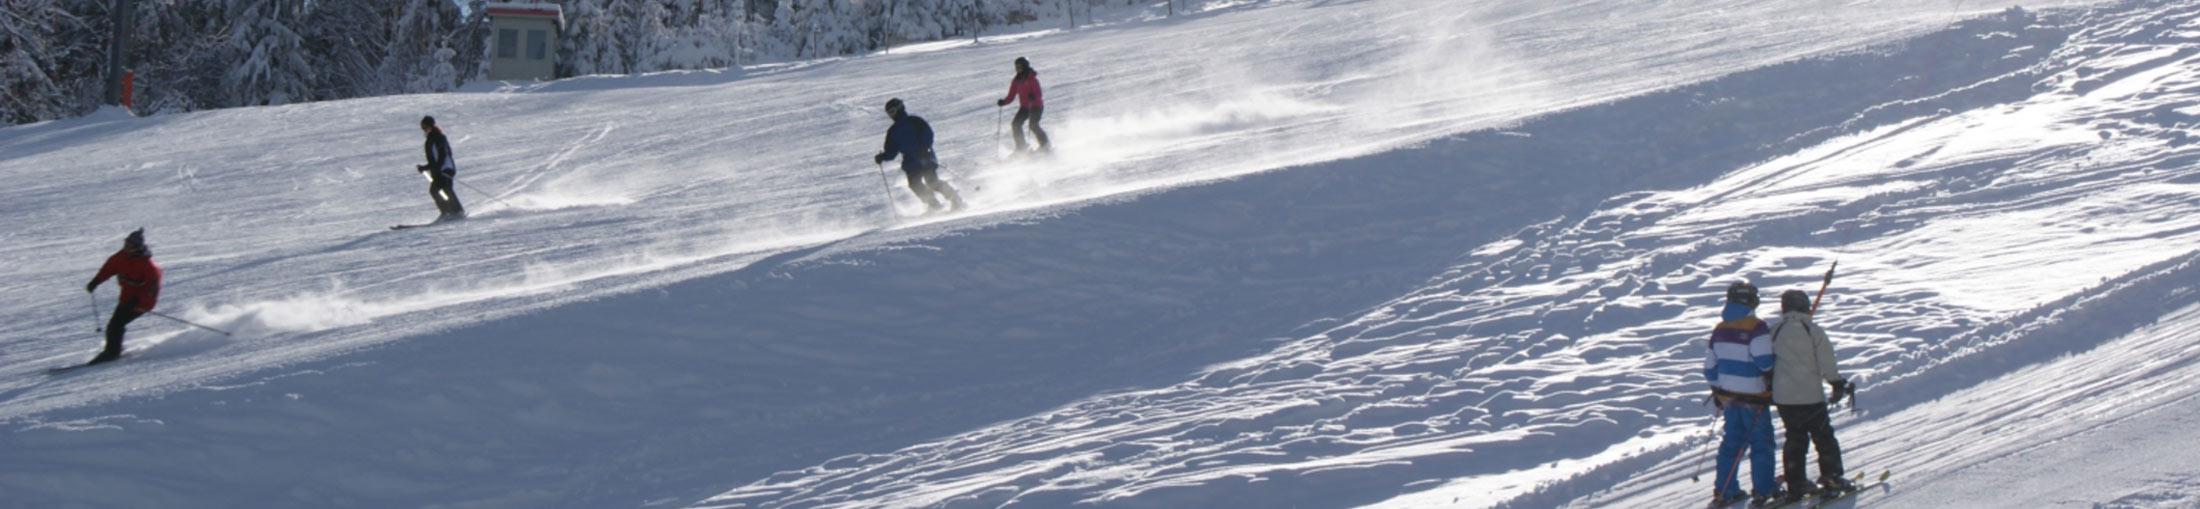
{"x":1728,"y":500}
{"x":1790,"y":497}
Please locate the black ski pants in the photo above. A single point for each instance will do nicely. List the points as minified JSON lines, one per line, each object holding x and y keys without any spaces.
{"x":1808,"y":425}
{"x":926,"y":181}
{"x":439,"y":189}
{"x":1031,"y":113}
{"x":124,"y":314}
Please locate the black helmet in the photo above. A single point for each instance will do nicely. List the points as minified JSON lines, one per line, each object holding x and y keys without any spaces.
{"x":1741,"y":292}
{"x":1794,"y":300}
{"x":1022,"y":64}
{"x":427,"y":121}
{"x":893,"y":107}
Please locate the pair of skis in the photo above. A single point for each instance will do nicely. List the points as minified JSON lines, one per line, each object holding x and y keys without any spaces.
{"x":1822,"y":499}
{"x":426,"y":224}
{"x":73,"y":367}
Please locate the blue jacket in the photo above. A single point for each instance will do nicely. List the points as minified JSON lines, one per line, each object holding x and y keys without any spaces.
{"x":910,"y":137}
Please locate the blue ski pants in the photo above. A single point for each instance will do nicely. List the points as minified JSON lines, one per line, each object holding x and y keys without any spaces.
{"x":1748,"y":429}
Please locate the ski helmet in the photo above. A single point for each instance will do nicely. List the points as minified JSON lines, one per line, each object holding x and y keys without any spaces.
{"x":1022,"y":64}
{"x":893,"y":107}
{"x":1794,"y":300}
{"x":1741,"y":292}
{"x":427,"y":121}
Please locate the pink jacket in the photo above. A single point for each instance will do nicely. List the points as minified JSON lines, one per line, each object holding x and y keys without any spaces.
{"x":1025,"y":90}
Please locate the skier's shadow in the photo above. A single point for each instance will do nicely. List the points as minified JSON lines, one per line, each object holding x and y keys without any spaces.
{"x":45,"y":377}
{"x":769,"y":263}
{"x":262,"y":262}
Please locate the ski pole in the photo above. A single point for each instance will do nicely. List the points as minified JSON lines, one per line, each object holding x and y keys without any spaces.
{"x":1711,"y":437}
{"x":188,"y":322}
{"x":886,"y":183}
{"x":1850,"y":391}
{"x":96,"y":327}
{"x":1822,"y":287}
{"x":997,"y":109}
{"x":485,"y":193}
{"x":1754,"y":422}
{"x":958,"y":178}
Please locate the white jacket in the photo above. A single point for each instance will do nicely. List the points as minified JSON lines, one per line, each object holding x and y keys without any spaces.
{"x":1802,"y":361}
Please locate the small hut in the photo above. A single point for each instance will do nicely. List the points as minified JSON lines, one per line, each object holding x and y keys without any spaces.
{"x":523,"y":40}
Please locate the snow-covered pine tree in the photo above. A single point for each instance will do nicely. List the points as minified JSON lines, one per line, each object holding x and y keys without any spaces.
{"x":344,"y":43}
{"x":840,"y":27}
{"x":418,"y":55}
{"x":271,"y":65}
{"x":470,"y":44}
{"x":174,"y":71}
{"x":34,"y":67}
{"x":783,"y":32}
{"x":643,"y":36}
{"x":590,"y":44}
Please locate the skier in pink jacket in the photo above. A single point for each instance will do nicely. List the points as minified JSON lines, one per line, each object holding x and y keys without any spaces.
{"x":1029,"y":106}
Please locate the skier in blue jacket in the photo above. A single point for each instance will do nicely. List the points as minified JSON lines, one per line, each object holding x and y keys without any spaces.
{"x":1740,"y":355}
{"x":911,"y":139}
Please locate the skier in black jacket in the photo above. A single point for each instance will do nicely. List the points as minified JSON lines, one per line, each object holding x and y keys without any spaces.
{"x":442,"y":171}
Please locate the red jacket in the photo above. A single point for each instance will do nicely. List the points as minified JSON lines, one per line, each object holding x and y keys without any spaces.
{"x":135,"y":273}
{"x":1025,"y":90}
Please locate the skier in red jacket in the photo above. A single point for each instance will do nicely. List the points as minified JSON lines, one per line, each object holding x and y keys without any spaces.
{"x":134,"y":271}
{"x":1029,"y":105}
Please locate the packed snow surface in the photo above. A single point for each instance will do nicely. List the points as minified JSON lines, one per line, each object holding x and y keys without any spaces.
{"x":1287,"y":254}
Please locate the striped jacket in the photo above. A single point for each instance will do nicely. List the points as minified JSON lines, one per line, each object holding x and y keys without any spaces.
{"x":1740,"y":352}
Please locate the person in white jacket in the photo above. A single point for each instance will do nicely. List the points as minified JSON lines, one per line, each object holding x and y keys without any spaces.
{"x":1802,"y":359}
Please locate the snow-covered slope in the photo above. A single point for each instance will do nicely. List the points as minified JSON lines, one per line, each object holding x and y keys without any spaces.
{"x":1562,"y":359}
{"x":269,"y":216}
{"x":1312,"y":254}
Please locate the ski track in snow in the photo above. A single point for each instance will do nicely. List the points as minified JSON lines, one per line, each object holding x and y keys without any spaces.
{"x":1482,"y":277}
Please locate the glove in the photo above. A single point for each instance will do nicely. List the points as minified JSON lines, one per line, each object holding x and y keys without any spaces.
{"x":1003,"y":102}
{"x":91,"y":287}
{"x":1716,"y":402}
{"x":1841,"y":389}
{"x":878,"y":159}
{"x":420,"y":168}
